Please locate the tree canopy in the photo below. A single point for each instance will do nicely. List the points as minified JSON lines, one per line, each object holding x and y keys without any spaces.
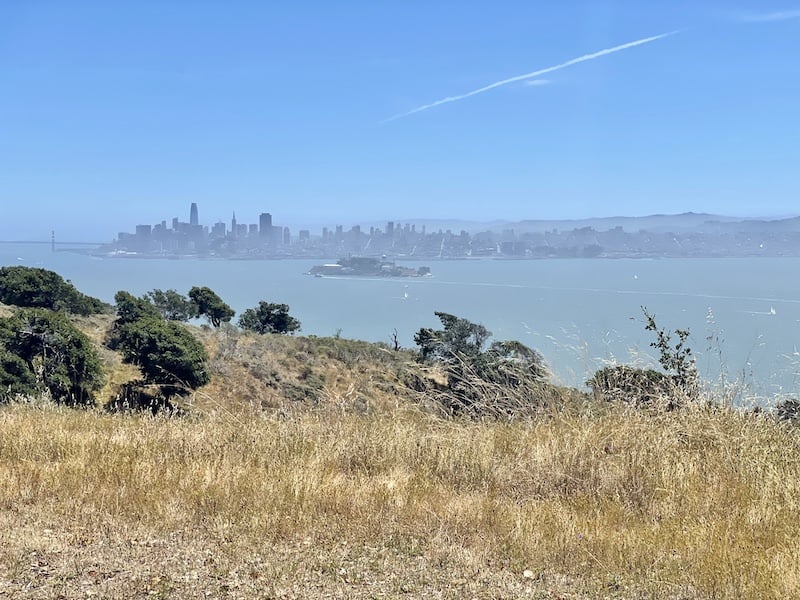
{"x":459,"y":337}
{"x":31,"y":287}
{"x":131,"y":309}
{"x":172,"y":305}
{"x":41,"y":351}
{"x":268,"y":317}
{"x":459,"y":348}
{"x":168,"y":354}
{"x":211,"y":306}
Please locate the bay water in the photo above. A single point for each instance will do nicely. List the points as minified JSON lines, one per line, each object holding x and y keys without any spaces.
{"x":744,"y":314}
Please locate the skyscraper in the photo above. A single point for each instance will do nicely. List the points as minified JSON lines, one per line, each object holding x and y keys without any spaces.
{"x":193,"y":220}
{"x":265,"y":225}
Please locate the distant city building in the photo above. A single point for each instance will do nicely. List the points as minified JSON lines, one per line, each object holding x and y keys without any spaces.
{"x":219,"y":230}
{"x":265,"y":225}
{"x":193,"y":217}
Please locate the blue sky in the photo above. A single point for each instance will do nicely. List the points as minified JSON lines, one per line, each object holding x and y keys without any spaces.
{"x":118,"y":113}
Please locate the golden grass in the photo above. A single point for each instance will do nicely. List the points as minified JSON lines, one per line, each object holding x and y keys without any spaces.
{"x":693,"y":504}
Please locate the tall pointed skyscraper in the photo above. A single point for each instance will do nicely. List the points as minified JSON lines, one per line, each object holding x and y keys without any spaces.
{"x":193,"y":220}
{"x":233,"y":225}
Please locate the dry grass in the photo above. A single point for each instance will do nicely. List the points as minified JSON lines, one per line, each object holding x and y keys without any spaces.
{"x":288,"y":374}
{"x":308,"y":469}
{"x":692,"y":504}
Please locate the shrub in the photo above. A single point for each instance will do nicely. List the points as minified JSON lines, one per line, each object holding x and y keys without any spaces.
{"x":41,"y":351}
{"x":166,"y":352}
{"x":634,"y":386}
{"x":169,"y":356}
{"x":788,"y":410}
{"x":474,"y":375}
{"x":39,"y":288}
{"x":131,"y":309}
{"x":647,"y":387}
{"x":677,"y":359}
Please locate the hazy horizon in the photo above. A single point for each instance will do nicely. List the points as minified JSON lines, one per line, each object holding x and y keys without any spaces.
{"x":79,"y":235}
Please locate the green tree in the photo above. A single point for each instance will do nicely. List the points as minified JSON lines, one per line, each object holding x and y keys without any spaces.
{"x":457,"y":339}
{"x":131,"y":309}
{"x":268,"y":317}
{"x":41,"y":350}
{"x":473,"y":374}
{"x":172,"y":305}
{"x":40,"y":288}
{"x":210,"y":305}
{"x":168,"y":355}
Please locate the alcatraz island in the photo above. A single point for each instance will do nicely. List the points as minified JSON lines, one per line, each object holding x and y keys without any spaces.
{"x":688,"y":235}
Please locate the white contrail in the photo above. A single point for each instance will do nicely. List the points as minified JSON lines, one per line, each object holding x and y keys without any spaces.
{"x":771,"y":17}
{"x":564,"y":65}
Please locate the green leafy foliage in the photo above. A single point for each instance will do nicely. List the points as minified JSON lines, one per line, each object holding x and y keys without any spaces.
{"x":676,"y":359}
{"x":172,"y":305}
{"x":647,"y":387}
{"x":131,"y":309}
{"x":268,"y":317}
{"x":39,"y":288}
{"x":42,"y":351}
{"x":168,"y":354}
{"x":211,"y":306}
{"x":457,"y":339}
{"x":633,"y":386}
{"x":16,"y":376}
{"x":474,"y":374}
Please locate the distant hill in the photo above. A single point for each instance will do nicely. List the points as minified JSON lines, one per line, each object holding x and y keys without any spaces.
{"x":679,"y":223}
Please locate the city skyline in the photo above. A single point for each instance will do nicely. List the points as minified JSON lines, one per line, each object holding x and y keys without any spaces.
{"x":686,"y":235}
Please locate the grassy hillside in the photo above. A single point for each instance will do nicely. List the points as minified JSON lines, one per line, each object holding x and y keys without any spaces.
{"x":309,"y":468}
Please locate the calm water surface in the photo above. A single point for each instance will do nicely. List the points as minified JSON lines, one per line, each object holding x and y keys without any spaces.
{"x":744,"y":314}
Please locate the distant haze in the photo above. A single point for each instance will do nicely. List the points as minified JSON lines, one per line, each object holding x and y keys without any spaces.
{"x":117,"y":114}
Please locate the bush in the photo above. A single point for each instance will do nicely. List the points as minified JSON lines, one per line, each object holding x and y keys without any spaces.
{"x":474,"y":376}
{"x":788,"y":410}
{"x":169,"y":356}
{"x":39,"y":288}
{"x":633,"y":386}
{"x":41,"y":351}
{"x":647,"y":387}
{"x":676,"y":359}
